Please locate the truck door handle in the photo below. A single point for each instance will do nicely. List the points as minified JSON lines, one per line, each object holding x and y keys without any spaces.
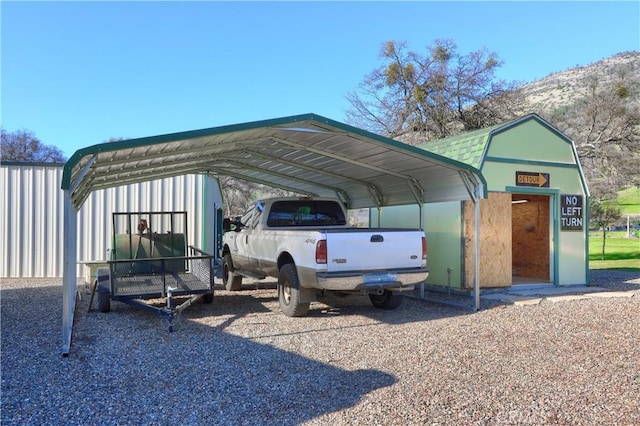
{"x":246,"y":239}
{"x":377,"y":238}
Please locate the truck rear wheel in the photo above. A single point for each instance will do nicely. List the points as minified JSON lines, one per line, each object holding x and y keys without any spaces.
{"x":289,"y":292}
{"x":231,"y":280}
{"x":387,"y":300}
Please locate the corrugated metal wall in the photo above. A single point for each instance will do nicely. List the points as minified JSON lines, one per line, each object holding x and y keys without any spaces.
{"x":31,"y":219}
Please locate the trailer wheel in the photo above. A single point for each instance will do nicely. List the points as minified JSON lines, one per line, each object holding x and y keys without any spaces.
{"x":231,"y":280}
{"x":289,"y":292}
{"x":104,"y":301}
{"x":387,"y":300}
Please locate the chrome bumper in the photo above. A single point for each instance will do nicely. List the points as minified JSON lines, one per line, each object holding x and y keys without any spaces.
{"x":397,"y":280}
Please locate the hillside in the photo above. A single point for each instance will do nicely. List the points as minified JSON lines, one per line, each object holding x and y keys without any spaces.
{"x":562,"y":89}
{"x":598,"y":107}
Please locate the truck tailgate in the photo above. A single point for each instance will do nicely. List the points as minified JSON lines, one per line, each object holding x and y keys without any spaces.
{"x":367,"y":249}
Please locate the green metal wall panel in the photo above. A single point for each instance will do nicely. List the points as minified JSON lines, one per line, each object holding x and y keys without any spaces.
{"x":500,"y":175}
{"x":443,"y":227}
{"x":573,"y":264}
{"x":397,"y":217}
{"x":531,"y":141}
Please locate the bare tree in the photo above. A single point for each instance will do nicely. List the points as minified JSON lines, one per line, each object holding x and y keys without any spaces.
{"x":605,"y":126}
{"x":24,"y":146}
{"x":431,"y":96}
{"x":115,"y":139}
{"x":238,"y":193}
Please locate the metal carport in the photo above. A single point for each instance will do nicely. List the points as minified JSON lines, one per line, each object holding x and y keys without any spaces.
{"x":306,"y":154}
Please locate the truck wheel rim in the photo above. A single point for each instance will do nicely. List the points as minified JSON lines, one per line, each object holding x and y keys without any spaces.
{"x":286,"y":293}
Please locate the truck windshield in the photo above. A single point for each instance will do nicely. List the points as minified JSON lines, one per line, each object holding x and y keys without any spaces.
{"x":305,"y":213}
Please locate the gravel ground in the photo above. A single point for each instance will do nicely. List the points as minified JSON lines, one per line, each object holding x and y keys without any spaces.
{"x":239,"y":361}
{"x":600,"y":280}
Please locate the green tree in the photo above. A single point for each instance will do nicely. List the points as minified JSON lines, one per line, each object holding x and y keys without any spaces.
{"x":24,"y":146}
{"x":430,"y":96}
{"x":603,"y":214}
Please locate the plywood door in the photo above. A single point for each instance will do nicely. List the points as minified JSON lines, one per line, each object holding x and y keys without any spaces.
{"x":495,"y":241}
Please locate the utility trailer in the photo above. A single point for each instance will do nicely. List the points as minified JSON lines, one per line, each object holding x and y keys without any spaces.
{"x":150,"y":259}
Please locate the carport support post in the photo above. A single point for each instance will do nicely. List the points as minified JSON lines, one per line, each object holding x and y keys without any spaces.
{"x":68,"y":271}
{"x":476,"y":247}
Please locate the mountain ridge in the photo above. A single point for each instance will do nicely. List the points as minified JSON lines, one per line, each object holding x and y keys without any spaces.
{"x":563,"y":88}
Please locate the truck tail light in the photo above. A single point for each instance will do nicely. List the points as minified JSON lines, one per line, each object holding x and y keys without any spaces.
{"x":321,"y":251}
{"x":424,"y":248}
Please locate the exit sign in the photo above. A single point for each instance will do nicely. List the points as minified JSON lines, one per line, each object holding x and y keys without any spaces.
{"x":536,"y":179}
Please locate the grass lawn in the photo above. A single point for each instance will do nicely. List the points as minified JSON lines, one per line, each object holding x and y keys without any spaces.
{"x":620,"y":252}
{"x":629,"y":201}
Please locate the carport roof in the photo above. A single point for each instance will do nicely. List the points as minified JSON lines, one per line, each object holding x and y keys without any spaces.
{"x":307,"y":154}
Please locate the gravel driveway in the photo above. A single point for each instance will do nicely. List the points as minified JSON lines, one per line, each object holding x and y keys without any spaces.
{"x":239,"y":361}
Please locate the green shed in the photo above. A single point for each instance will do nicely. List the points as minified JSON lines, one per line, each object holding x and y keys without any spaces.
{"x":534,"y":221}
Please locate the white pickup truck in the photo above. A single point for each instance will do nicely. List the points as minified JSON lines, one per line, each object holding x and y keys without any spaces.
{"x":307,"y":244}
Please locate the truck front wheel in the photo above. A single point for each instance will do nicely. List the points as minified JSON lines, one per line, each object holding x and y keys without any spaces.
{"x":387,"y":300}
{"x":289,"y":292}
{"x":231,"y":280}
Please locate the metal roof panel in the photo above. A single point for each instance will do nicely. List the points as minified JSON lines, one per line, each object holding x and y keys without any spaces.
{"x":308,"y":154}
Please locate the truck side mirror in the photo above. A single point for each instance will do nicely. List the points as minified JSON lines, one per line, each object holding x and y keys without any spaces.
{"x":228,"y":225}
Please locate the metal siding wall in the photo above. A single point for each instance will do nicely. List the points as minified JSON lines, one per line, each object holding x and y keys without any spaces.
{"x":32,"y":216}
{"x":31,"y":221}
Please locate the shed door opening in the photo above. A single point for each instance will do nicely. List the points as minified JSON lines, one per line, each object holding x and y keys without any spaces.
{"x":530,"y":230}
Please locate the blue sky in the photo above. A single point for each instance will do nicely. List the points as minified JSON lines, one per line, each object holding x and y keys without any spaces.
{"x":79,"y":73}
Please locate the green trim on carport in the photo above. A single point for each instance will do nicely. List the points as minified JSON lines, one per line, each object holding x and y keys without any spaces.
{"x":193,"y":134}
{"x":310,"y":155}
{"x":169,"y":137}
